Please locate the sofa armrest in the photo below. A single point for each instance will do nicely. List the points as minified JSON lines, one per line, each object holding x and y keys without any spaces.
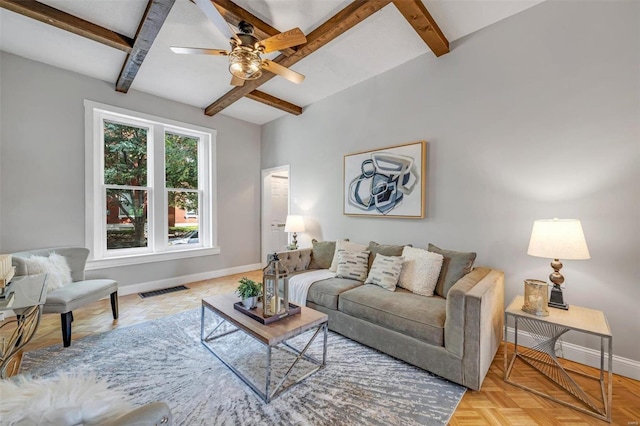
{"x":294,"y":260}
{"x":474,"y":322}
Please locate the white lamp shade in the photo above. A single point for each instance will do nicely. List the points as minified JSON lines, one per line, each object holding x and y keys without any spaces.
{"x":558,"y":239}
{"x":294,"y":223}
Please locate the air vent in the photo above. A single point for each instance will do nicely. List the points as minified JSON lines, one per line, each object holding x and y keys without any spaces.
{"x":162,"y":291}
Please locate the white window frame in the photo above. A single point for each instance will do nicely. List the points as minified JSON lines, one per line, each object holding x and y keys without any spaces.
{"x":157,"y":197}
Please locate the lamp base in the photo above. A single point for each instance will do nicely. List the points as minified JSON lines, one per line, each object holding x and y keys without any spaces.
{"x":556,"y":300}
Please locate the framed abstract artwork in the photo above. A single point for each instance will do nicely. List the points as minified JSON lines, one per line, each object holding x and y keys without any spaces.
{"x":387,"y":182}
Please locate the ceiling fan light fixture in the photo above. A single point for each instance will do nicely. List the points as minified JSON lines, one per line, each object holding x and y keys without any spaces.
{"x":245,"y":63}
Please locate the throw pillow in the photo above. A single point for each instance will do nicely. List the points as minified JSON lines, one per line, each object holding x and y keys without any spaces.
{"x":455,"y":265}
{"x":352,"y":264}
{"x":322,"y":254}
{"x":55,"y":266}
{"x":420,"y":270}
{"x":346,"y":246}
{"x":386,"y":249}
{"x":385,"y":271}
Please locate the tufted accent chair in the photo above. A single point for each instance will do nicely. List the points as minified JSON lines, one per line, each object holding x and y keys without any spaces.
{"x":79,"y":293}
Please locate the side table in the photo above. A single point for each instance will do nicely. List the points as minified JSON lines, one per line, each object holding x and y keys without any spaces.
{"x":29,"y":294}
{"x":545,"y":331}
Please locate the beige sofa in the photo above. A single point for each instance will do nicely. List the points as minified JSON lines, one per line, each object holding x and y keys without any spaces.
{"x":454,"y":337}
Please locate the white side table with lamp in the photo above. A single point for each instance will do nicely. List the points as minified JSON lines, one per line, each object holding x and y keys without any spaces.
{"x":558,"y":239}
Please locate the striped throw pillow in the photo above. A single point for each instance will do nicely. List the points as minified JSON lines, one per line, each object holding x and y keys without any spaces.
{"x":352,"y":265}
{"x":385,"y":271}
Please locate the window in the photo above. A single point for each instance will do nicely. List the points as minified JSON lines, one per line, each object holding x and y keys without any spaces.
{"x":149,"y":187}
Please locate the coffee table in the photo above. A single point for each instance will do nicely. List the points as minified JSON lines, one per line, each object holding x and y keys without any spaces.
{"x":273,"y":336}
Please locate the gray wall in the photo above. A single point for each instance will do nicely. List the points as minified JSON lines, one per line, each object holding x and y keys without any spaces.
{"x":42,"y":168}
{"x":534,"y":117}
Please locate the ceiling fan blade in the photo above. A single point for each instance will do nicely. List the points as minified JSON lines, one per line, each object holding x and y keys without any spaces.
{"x":285,"y":72}
{"x":216,"y":18}
{"x":283,"y":40}
{"x":198,"y":51}
{"x":236,"y":81}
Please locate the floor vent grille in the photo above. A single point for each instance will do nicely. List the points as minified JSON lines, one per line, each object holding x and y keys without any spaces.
{"x":162,"y":291}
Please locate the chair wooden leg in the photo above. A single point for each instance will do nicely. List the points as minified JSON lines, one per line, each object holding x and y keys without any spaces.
{"x":114,"y":304}
{"x":66,"y":319}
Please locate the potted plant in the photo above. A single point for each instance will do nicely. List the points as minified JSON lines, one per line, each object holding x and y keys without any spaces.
{"x":249,"y":291}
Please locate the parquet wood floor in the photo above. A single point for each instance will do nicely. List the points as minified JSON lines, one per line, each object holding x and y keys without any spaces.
{"x":497,"y":403}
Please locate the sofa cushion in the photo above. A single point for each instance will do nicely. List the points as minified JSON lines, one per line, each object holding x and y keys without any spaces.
{"x":385,"y":272}
{"x":325,"y":293}
{"x":322,"y":254}
{"x":420,"y":270}
{"x":455,"y":265}
{"x":402,"y":311}
{"x":352,"y":264}
{"x":345,"y":245}
{"x":78,"y":294}
{"x":386,"y":249}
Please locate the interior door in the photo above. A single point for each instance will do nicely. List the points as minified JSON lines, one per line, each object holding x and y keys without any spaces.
{"x":275,"y":208}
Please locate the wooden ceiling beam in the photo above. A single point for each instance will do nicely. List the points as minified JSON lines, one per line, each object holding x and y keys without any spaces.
{"x":233,"y":14}
{"x":49,"y":15}
{"x":415,"y":12}
{"x":274,"y":102}
{"x":153,"y":19}
{"x":347,"y":18}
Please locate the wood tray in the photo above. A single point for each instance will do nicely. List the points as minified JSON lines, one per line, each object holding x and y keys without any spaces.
{"x":256,"y":313}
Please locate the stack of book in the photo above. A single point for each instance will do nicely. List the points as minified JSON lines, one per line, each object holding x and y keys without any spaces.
{"x":6,"y":274}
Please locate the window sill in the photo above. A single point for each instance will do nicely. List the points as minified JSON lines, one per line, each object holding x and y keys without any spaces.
{"x":112,"y":262}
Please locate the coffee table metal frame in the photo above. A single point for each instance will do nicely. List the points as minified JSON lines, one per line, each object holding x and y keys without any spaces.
{"x":542,"y":357}
{"x":267,"y":394}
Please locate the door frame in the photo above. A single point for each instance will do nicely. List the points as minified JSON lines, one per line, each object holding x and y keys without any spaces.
{"x":264,"y":226}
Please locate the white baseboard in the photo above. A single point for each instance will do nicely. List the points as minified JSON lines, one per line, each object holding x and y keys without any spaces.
{"x":591,"y":357}
{"x":185,"y":279}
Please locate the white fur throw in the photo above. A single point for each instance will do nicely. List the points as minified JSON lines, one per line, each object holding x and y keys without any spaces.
{"x":420,"y":270}
{"x":60,"y":401}
{"x":55,"y":266}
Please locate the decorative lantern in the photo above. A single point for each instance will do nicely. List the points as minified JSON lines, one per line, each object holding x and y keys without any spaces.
{"x":275,"y":282}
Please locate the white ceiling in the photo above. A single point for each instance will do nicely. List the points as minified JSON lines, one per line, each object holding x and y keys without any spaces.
{"x":381,"y":42}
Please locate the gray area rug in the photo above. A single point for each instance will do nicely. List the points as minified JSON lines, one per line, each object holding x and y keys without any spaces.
{"x":163,"y":360}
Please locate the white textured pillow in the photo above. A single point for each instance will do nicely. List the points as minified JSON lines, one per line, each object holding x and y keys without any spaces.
{"x":420,"y":270}
{"x":346,"y":246}
{"x":385,"y":271}
{"x":55,"y":266}
{"x":352,"y":265}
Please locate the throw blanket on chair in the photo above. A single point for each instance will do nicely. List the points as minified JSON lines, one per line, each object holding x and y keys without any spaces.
{"x":299,"y":284}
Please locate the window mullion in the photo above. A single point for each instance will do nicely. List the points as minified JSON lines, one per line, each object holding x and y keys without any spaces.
{"x":160,"y":209}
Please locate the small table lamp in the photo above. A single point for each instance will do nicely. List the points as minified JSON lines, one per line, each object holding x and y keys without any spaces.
{"x":294,"y":224}
{"x":556,"y":239}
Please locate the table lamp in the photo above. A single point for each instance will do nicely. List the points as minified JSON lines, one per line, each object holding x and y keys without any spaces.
{"x":558,"y":239}
{"x":294,"y":224}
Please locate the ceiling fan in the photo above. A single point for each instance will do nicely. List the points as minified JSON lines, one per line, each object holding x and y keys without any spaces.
{"x":245,"y":62}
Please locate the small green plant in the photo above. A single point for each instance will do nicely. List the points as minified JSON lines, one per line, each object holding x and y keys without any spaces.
{"x":248,"y":288}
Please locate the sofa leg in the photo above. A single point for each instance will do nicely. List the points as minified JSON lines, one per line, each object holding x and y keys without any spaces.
{"x":114,"y":304}
{"x":66,"y":319}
